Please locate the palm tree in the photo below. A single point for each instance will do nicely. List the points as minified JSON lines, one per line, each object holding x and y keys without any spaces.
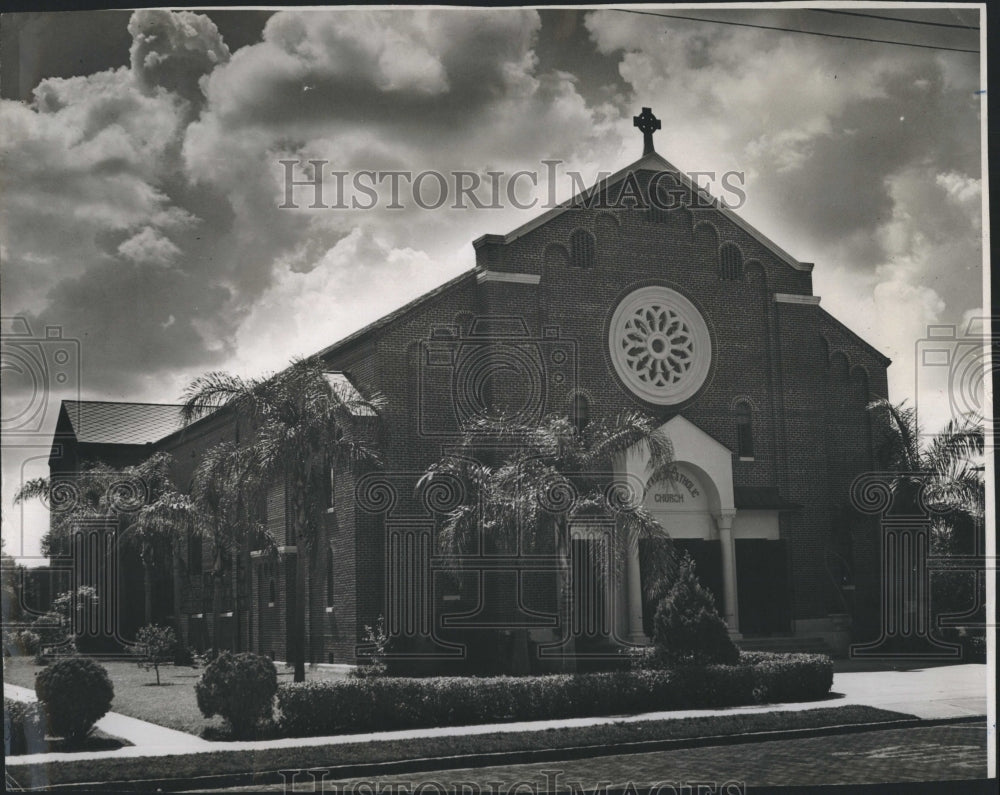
{"x":226,"y":489}
{"x":549,"y":474}
{"x":948,"y":467}
{"x":301,"y":422}
{"x":151,"y":514}
{"x":945,"y":475}
{"x":70,"y":498}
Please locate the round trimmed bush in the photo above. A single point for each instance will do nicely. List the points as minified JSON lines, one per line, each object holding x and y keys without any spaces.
{"x":75,"y":693}
{"x":240,"y":688}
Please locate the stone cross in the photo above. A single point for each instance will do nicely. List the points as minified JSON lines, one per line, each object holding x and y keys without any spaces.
{"x":647,"y":124}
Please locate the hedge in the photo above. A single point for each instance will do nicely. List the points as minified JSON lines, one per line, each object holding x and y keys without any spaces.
{"x":388,"y":703}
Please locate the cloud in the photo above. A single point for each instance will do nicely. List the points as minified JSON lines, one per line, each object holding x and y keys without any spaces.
{"x":860,"y":158}
{"x":141,"y":214}
{"x":149,"y":246}
{"x":174,"y":50}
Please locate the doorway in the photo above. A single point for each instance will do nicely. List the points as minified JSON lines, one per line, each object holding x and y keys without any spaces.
{"x":762,"y":586}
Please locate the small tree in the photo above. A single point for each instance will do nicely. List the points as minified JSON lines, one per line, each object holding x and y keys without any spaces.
{"x":378,"y":642}
{"x":687,"y":628}
{"x":153,"y":646}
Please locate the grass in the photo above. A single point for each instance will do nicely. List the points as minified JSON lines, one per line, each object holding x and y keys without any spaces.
{"x":171,"y":704}
{"x":190,"y":766}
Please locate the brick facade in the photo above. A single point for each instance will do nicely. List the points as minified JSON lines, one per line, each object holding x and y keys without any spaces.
{"x":805,"y":378}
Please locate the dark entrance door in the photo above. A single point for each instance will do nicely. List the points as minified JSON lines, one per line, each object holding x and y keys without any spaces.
{"x":762,"y":586}
{"x":707,"y":557}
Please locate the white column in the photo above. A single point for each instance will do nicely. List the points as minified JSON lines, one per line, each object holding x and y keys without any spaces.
{"x":730,"y":606}
{"x":634,"y":581}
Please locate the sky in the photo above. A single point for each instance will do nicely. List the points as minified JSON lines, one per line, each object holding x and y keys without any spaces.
{"x":140,"y":163}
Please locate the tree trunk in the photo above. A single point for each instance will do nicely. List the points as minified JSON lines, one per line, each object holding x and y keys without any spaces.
{"x":237,"y":635}
{"x":182,"y":634}
{"x":147,"y":589}
{"x":299,"y":634}
{"x":565,"y":596}
{"x":216,"y":608}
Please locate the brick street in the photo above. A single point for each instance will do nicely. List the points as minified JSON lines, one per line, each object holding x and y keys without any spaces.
{"x":936,"y":753}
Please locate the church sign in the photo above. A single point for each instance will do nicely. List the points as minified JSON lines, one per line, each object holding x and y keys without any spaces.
{"x":676,"y":489}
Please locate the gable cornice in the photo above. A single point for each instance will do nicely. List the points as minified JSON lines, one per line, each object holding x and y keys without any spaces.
{"x":655,"y":162}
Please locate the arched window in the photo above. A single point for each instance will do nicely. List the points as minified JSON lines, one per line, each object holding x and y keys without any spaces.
{"x":329,"y":578}
{"x":581,"y":412}
{"x":331,"y":484}
{"x":730,"y":262}
{"x":581,"y":245}
{"x":744,"y":431}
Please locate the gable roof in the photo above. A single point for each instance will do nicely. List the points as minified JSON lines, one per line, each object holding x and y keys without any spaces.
{"x":650,"y":162}
{"x":103,"y":422}
{"x":655,"y":162}
{"x":385,"y":320}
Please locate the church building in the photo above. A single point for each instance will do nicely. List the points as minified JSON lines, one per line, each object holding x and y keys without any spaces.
{"x":642,"y":294}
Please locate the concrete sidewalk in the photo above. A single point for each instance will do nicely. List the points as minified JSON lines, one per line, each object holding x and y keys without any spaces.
{"x":951,"y":691}
{"x":140,"y":733}
{"x":942,"y":692}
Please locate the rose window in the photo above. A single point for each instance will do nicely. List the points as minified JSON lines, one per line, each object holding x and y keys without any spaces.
{"x":659,"y":345}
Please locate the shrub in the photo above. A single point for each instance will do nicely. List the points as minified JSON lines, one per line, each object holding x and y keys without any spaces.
{"x":47,"y":654}
{"x":153,"y":646}
{"x":377,"y":638}
{"x":24,"y":731}
{"x":786,"y":677}
{"x":75,"y":693}
{"x":386,"y":703}
{"x":52,"y":630}
{"x":21,"y":643}
{"x":240,"y":688}
{"x":183,"y":655}
{"x":687,"y":628}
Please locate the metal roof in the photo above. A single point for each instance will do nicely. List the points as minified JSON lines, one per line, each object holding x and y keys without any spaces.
{"x":100,"y":422}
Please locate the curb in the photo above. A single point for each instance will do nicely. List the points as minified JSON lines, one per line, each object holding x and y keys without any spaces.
{"x":476,"y":760}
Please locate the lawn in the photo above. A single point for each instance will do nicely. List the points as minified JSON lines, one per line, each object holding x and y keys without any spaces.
{"x":412,"y":754}
{"x":171,"y":704}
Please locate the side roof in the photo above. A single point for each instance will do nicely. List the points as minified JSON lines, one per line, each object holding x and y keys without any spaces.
{"x":106,"y":422}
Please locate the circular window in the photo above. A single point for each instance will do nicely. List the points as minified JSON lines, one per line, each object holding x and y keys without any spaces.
{"x":660,"y":345}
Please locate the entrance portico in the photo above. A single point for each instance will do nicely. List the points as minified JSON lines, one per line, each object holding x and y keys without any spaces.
{"x":695,"y":502}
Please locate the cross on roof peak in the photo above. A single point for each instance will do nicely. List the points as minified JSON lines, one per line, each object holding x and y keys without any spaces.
{"x":647,"y":124}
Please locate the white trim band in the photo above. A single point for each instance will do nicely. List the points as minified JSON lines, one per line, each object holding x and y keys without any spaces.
{"x":508,"y":277}
{"x":791,"y":298}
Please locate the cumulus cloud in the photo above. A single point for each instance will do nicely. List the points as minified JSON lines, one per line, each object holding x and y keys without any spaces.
{"x":862,"y":159}
{"x":174,"y":51}
{"x":140,"y":207}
